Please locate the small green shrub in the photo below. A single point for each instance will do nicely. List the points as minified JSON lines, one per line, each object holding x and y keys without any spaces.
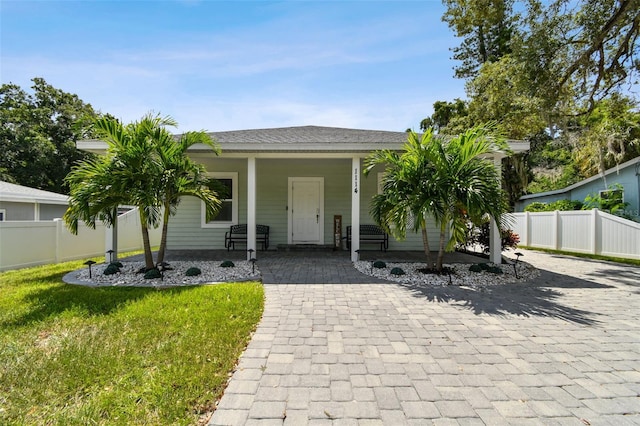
{"x":111,"y":269}
{"x":480,"y":235}
{"x":193,"y":271}
{"x":475,"y":268}
{"x":227,"y":264}
{"x":397,"y":271}
{"x":479,"y":267}
{"x":379,"y":264}
{"x":562,"y":205}
{"x":566,"y":205}
{"x":536,"y":206}
{"x":495,"y":270}
{"x":116,"y":263}
{"x":152,"y":274}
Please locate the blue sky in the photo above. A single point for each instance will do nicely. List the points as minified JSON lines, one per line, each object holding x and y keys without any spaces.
{"x":216,"y":65}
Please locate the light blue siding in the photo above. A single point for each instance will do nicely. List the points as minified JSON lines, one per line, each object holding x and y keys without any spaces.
{"x":627,"y":176}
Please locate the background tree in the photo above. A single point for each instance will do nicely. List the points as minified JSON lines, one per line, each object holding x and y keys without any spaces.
{"x":608,"y":135}
{"x":588,"y":47}
{"x":485,"y":27}
{"x":444,"y":113}
{"x":563,"y":63}
{"x":38,"y":134}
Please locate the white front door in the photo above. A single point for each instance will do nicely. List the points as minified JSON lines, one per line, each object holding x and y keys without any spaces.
{"x":306,"y":210}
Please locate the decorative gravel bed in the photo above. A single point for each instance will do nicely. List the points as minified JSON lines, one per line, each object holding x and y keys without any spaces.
{"x":461,"y":275}
{"x":129,"y":276}
{"x":242,"y":271}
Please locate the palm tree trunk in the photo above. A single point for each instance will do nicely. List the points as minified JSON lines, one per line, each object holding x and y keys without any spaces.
{"x":441,"y":247}
{"x":148,"y":256}
{"x":425,"y":244}
{"x":163,"y":238}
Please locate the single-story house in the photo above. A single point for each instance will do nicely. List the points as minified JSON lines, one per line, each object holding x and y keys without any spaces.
{"x":19,"y":202}
{"x":626,"y":175}
{"x":305,"y":183}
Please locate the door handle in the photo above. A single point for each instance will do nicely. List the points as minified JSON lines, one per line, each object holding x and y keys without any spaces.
{"x":317,"y":218}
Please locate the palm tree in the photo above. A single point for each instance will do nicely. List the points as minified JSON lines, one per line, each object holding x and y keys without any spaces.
{"x":146,"y":167}
{"x":405,"y":201}
{"x":93,"y":197}
{"x":129,"y":173}
{"x":452,"y":181}
{"x":183,"y":177}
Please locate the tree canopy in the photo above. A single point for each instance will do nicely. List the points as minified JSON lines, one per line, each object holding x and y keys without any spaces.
{"x":485,"y":27}
{"x":38,"y":134}
{"x":560,"y":74}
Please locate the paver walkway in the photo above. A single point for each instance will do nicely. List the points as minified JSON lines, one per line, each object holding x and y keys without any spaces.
{"x":564,"y":349}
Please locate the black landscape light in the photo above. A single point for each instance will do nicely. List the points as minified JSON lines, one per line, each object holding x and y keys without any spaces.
{"x":252,"y":260}
{"x":162,"y":266}
{"x":89,"y":263}
{"x":110,"y":253}
{"x":515,"y":264}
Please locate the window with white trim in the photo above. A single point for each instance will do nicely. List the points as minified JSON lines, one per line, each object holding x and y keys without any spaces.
{"x":228,"y":213}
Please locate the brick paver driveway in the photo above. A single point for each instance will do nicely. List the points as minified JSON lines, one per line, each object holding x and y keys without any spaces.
{"x":563,"y":349}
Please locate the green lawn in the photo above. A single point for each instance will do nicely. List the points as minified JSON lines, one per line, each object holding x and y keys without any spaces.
{"x":73,"y":355}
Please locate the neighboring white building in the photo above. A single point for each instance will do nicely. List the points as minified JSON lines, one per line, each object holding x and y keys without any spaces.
{"x":22,"y":203}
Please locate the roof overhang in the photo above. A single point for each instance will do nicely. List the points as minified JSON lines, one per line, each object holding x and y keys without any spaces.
{"x":100,"y":147}
{"x":17,"y":198}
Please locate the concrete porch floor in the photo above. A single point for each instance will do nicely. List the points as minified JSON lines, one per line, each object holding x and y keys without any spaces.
{"x":343,"y":255}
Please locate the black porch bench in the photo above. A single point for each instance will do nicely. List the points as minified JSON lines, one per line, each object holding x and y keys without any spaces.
{"x":370,"y":234}
{"x":238,"y":234}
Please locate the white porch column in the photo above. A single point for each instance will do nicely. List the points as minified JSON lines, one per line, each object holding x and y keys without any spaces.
{"x":355,"y":208}
{"x":251,"y":206}
{"x":495,"y":243}
{"x":111,"y":242}
{"x":111,"y":239}
{"x":495,"y":240}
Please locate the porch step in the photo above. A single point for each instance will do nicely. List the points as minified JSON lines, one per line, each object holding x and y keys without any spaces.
{"x":304,"y":247}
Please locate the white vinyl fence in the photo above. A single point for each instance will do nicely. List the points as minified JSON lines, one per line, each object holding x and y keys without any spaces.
{"x":580,"y":231}
{"x":24,"y":243}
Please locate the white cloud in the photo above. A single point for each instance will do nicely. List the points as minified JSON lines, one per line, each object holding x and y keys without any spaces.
{"x":298,"y":69}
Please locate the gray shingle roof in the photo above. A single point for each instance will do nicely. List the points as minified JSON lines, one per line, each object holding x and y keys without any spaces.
{"x":307,"y":139}
{"x":301,"y":139}
{"x":309,"y":135}
{"x":19,"y":193}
